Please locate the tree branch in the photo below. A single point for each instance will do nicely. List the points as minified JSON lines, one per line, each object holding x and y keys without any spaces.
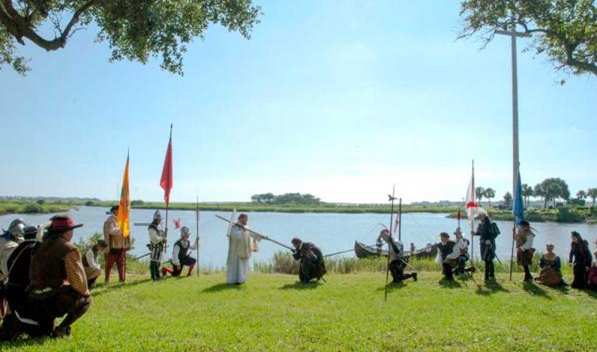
{"x":19,"y":28}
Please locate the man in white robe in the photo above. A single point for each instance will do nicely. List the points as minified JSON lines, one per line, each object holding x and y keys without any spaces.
{"x":239,"y":251}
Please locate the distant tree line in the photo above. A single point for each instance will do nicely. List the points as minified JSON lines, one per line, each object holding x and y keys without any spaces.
{"x":549,"y":190}
{"x":287,"y":198}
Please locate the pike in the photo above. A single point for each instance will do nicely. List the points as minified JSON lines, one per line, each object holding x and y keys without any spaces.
{"x":255,"y":233}
{"x":197,"y":243}
{"x":392,"y":198}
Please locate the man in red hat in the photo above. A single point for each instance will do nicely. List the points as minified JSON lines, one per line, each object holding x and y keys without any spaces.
{"x":58,"y":282}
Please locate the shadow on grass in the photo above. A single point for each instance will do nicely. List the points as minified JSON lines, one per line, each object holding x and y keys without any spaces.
{"x":103,"y":288}
{"x":590,"y":293}
{"x":447,"y":283}
{"x":25,"y":341}
{"x":301,"y":286}
{"x":393,"y":286}
{"x":535,"y":290}
{"x":489,"y":288}
{"x":223,"y":287}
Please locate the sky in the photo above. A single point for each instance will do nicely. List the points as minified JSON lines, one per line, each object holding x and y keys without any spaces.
{"x":338,"y":98}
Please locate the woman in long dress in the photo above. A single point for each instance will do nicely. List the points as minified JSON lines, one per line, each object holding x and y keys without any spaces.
{"x":550,"y":264}
{"x":581,"y":257}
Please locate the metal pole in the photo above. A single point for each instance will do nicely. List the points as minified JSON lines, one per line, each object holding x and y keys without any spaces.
{"x":392,"y":198}
{"x":197,"y":242}
{"x":515,"y":150}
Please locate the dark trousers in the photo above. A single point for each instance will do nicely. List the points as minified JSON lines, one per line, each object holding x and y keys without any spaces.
{"x":527,"y":273}
{"x":447,"y":270}
{"x":581,"y":279}
{"x":186,"y":261}
{"x":397,"y":271}
{"x":117,"y":256}
{"x":154,"y":270}
{"x":489,"y":270}
{"x":66,"y":301}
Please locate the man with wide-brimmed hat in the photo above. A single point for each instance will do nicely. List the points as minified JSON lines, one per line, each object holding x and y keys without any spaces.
{"x":488,"y":231}
{"x":58,"y":282}
{"x":117,"y":246}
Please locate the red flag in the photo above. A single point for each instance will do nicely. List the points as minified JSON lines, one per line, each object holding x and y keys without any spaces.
{"x":176,"y":223}
{"x":167,"y":180}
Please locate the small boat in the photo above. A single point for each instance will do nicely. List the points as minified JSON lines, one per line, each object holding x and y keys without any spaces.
{"x":361,"y":250}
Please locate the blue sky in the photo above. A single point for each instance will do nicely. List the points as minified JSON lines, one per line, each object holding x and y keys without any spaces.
{"x":339,"y":98}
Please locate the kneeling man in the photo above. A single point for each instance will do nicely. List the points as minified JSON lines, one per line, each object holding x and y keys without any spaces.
{"x":312,"y":264}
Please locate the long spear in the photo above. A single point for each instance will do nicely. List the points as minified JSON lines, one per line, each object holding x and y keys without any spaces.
{"x":392,"y":198}
{"x":197,"y":243}
{"x":256,"y":233}
{"x":346,"y":251}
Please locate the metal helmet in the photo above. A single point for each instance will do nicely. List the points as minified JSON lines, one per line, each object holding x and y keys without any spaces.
{"x":185,"y":231}
{"x":157,"y":215}
{"x":17,"y":228}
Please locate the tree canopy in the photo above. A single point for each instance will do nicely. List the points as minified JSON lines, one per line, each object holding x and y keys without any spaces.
{"x":135,"y":30}
{"x":564,"y":30}
{"x":287,"y":198}
{"x":551,"y":189}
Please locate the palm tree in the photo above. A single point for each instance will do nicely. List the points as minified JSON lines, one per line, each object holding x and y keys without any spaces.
{"x":527,"y":192}
{"x":592,"y":193}
{"x":507,"y":199}
{"x":581,"y":194}
{"x":480,"y":192}
{"x":489,"y":193}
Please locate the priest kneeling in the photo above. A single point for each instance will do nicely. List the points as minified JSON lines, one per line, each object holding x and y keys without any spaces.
{"x":312,"y":265}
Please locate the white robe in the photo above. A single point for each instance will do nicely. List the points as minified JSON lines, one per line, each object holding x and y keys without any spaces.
{"x":239,"y":254}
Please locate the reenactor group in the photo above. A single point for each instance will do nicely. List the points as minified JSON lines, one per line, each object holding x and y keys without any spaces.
{"x":43,"y":276}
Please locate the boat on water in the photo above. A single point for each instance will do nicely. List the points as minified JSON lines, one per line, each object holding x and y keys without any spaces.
{"x":362,"y":250}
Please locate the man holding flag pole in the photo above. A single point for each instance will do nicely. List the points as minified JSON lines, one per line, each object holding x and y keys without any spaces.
{"x":167,"y":181}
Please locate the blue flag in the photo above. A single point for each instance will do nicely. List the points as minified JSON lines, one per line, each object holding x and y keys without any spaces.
{"x":518,"y":208}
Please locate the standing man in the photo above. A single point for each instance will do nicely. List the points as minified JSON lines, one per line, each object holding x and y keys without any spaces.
{"x":312,"y":264}
{"x":445,"y":250}
{"x":157,"y":241}
{"x":117,"y":246}
{"x":58,"y":282}
{"x":181,"y":254}
{"x":239,"y":251}
{"x":397,"y":260}
{"x":524,"y":248}
{"x":487,"y":231}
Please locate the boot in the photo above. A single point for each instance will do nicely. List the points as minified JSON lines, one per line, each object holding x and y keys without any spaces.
{"x":61,"y":332}
{"x":415,"y":276}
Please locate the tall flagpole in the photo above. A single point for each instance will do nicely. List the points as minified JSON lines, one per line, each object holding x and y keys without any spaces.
{"x":197,"y":242}
{"x":392,"y":199}
{"x":168,"y":200}
{"x":472,"y":220}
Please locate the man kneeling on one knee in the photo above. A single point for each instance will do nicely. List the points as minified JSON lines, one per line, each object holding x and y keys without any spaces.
{"x":181,"y":254}
{"x":58,"y":282}
{"x":397,"y":260}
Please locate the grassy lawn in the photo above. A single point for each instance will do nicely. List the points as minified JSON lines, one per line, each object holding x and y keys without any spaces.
{"x":348,"y":313}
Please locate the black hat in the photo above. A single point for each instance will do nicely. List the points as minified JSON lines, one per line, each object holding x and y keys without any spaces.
{"x":112,"y":209}
{"x":524,"y":223}
{"x":444,"y":234}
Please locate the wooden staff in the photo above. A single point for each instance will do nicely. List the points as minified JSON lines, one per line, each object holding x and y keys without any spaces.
{"x":256,"y":233}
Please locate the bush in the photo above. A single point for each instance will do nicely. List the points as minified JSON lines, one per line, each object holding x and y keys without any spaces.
{"x":32,"y":208}
{"x":569,"y":215}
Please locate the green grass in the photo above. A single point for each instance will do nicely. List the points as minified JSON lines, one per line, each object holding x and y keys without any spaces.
{"x":273,"y":312}
{"x":14,"y":207}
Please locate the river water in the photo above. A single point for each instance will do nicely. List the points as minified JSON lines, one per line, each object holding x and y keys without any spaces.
{"x":331,"y":232}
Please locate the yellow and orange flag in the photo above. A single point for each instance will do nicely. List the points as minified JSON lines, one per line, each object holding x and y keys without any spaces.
{"x":124,"y":206}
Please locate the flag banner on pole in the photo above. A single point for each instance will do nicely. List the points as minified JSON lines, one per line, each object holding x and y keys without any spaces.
{"x":176,"y":223}
{"x":124,"y":206}
{"x":167,"y":180}
{"x":397,"y":222}
{"x":471,"y":200}
{"x":518,"y":207}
